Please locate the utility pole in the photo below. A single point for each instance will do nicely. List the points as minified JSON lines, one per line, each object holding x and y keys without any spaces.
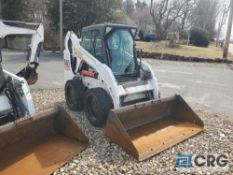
{"x":0,"y":9}
{"x":61,"y":25}
{"x":228,"y":35}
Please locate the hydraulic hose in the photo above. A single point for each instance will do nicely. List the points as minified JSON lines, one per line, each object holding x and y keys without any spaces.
{"x":15,"y":100}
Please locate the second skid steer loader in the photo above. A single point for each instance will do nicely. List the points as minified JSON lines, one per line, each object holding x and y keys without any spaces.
{"x":32,"y":143}
{"x":104,"y":77}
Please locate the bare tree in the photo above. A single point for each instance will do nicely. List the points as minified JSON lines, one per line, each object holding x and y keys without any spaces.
{"x":204,"y":16}
{"x":143,"y":19}
{"x":128,"y":6}
{"x":185,"y":22}
{"x":223,"y":12}
{"x":188,"y":7}
{"x":164,"y":13}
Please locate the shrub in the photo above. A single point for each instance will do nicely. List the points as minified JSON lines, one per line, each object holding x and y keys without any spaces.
{"x":183,"y":35}
{"x":199,"y":38}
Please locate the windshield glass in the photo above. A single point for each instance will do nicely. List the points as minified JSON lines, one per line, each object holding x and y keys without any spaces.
{"x":121,"y":47}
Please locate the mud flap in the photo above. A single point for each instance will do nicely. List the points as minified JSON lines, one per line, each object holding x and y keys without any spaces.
{"x":39,"y":144}
{"x":148,"y":128}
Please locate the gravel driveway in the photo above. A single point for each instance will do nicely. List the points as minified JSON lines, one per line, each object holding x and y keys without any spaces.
{"x":104,"y":157}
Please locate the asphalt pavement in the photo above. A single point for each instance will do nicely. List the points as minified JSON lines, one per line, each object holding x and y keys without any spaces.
{"x":204,"y":86}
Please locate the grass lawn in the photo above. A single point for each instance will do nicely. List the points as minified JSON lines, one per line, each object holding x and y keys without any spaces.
{"x":182,"y":50}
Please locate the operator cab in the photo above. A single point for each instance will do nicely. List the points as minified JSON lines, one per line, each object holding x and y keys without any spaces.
{"x":113,"y":45}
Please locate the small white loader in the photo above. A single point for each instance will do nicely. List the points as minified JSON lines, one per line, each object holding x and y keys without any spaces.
{"x":102,"y":71}
{"x":32,"y":143}
{"x":104,"y":76}
{"x":15,"y":97}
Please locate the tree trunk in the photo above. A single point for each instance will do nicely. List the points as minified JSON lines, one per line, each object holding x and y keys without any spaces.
{"x":217,"y":40}
{"x":188,"y":41}
{"x":161,"y":34}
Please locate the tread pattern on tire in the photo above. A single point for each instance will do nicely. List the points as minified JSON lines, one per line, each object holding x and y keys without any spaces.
{"x":77,"y":100}
{"x":105,"y":104}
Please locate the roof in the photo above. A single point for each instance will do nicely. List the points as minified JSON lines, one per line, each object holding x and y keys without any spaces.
{"x":103,"y":26}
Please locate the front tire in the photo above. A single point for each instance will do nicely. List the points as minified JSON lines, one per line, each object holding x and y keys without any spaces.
{"x":97,"y":104}
{"x":74,"y":93}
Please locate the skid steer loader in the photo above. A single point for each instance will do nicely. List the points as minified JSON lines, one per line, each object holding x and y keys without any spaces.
{"x":32,"y":143}
{"x":104,"y":76}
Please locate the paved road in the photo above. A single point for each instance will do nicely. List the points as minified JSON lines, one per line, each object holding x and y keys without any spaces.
{"x":205,"y":86}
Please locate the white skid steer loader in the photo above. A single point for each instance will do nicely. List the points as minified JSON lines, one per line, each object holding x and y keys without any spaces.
{"x":17,"y":98}
{"x":104,"y":76}
{"x":32,"y":143}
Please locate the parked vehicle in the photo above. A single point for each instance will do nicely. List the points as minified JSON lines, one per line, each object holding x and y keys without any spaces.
{"x":149,"y":37}
{"x":32,"y":143}
{"x":104,"y":77}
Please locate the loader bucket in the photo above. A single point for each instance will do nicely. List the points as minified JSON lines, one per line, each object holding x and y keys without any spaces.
{"x":148,"y":128}
{"x":40,"y":144}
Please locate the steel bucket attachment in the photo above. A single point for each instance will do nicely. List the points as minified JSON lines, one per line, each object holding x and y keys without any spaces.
{"x":40,"y":144}
{"x":148,"y":128}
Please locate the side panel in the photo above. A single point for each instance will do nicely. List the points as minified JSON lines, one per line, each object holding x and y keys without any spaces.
{"x":26,"y":96}
{"x":68,"y":73}
{"x":4,"y":103}
{"x":153,"y":81}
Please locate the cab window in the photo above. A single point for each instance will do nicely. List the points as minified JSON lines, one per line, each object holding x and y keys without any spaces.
{"x":92,"y":41}
{"x":87,"y":42}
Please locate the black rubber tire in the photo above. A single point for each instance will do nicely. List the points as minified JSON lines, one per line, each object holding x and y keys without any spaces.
{"x":74,"y":94}
{"x":97,"y":104}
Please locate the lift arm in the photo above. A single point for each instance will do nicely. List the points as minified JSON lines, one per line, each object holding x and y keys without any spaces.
{"x":36,"y":40}
{"x":29,"y":72}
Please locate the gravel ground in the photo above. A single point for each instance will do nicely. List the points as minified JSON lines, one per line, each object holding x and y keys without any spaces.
{"x":104,"y":157}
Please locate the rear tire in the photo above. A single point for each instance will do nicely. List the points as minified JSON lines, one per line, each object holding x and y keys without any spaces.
{"x":97,"y":104}
{"x":74,"y":92}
